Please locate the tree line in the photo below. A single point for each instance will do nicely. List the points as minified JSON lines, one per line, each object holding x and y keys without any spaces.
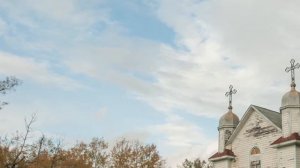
{"x":20,"y":151}
{"x":23,"y":151}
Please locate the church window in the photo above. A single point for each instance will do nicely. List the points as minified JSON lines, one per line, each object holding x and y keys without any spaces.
{"x":255,"y":164}
{"x":255,"y":151}
{"x":255,"y":159}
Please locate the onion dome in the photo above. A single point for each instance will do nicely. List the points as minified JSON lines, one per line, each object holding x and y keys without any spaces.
{"x":229,"y":120}
{"x":291,"y":98}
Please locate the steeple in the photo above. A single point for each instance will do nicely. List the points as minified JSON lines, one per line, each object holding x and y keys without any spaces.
{"x":227,"y":122}
{"x":290,"y":105}
{"x":229,"y":119}
{"x":292,"y":97}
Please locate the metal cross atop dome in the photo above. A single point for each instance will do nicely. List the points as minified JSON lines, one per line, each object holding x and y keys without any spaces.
{"x":292,"y":69}
{"x":229,"y":94}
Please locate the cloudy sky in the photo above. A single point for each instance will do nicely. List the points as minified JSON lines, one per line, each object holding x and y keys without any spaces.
{"x":153,"y":70}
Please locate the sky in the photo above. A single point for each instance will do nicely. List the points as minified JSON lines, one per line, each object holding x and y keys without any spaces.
{"x":152,"y":70}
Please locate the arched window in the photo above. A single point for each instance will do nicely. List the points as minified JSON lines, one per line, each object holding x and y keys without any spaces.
{"x":255,"y":151}
{"x":255,"y":158}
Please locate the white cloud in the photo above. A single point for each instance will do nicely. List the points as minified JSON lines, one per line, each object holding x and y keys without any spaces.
{"x":28,"y":68}
{"x":218,"y":43}
{"x":234,"y":42}
{"x":67,"y":11}
{"x":247,"y":44}
{"x":194,"y":76}
{"x":183,"y":140}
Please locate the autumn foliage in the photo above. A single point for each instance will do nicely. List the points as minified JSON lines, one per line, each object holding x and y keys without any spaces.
{"x":24,"y":151}
{"x":21,"y":151}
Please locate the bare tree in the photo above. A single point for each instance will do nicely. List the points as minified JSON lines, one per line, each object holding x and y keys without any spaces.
{"x":7,"y":85}
{"x":16,"y":149}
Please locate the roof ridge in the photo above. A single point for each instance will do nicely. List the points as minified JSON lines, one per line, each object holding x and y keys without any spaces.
{"x":265,"y":108}
{"x":273,"y":116}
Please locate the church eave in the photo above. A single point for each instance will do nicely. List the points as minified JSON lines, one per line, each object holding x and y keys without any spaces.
{"x":289,"y":106}
{"x":227,"y":154}
{"x":293,"y":139}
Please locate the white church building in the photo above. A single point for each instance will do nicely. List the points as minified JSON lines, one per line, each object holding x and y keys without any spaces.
{"x":262,"y":138}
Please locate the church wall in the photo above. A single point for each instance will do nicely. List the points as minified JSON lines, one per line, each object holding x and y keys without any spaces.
{"x":290,"y":121}
{"x":286,"y":156}
{"x":223,"y":164}
{"x":223,"y":137}
{"x":295,"y":115}
{"x":258,"y":132}
{"x":298,"y":156}
{"x":221,"y":140}
{"x":286,"y":123}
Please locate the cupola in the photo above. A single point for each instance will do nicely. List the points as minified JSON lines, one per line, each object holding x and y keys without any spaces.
{"x":229,"y":119}
{"x":292,"y":97}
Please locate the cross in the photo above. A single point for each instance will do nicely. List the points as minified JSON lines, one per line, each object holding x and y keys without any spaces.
{"x":229,"y":94}
{"x":292,"y":69}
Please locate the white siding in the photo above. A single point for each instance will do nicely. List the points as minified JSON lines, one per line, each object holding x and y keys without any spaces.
{"x":298,"y":156}
{"x":223,"y":164}
{"x":290,"y":121}
{"x":221,"y":140}
{"x":286,"y":128}
{"x":295,"y":118}
{"x":245,"y":141}
{"x":286,"y":157}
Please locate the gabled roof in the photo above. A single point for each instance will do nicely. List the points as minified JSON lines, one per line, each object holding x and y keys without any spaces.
{"x":272,"y":116}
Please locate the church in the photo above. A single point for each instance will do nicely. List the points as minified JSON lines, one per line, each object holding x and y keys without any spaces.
{"x":263,"y":138}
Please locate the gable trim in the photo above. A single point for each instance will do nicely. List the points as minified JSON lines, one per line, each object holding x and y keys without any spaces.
{"x":245,"y":118}
{"x":278,"y":128}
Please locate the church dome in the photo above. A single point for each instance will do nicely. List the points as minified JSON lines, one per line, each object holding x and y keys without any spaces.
{"x":291,"y":98}
{"x":229,"y":119}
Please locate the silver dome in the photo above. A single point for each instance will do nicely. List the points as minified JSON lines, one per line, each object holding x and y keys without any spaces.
{"x":229,"y":119}
{"x":291,"y":98}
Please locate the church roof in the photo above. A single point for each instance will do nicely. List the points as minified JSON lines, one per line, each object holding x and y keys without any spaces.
{"x":273,"y":116}
{"x":294,"y":136}
{"x":226,"y":152}
{"x":229,"y":119}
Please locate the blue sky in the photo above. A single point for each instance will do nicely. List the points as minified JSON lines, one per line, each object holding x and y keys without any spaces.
{"x":153,"y":70}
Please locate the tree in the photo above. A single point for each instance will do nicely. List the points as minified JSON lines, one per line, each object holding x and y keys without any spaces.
{"x":97,"y":153}
{"x":187,"y":164}
{"x":132,"y":154}
{"x":16,"y":150}
{"x":7,"y":85}
{"x":44,"y":153}
{"x":197,"y":163}
{"x":76,"y":157}
{"x":20,"y":152}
